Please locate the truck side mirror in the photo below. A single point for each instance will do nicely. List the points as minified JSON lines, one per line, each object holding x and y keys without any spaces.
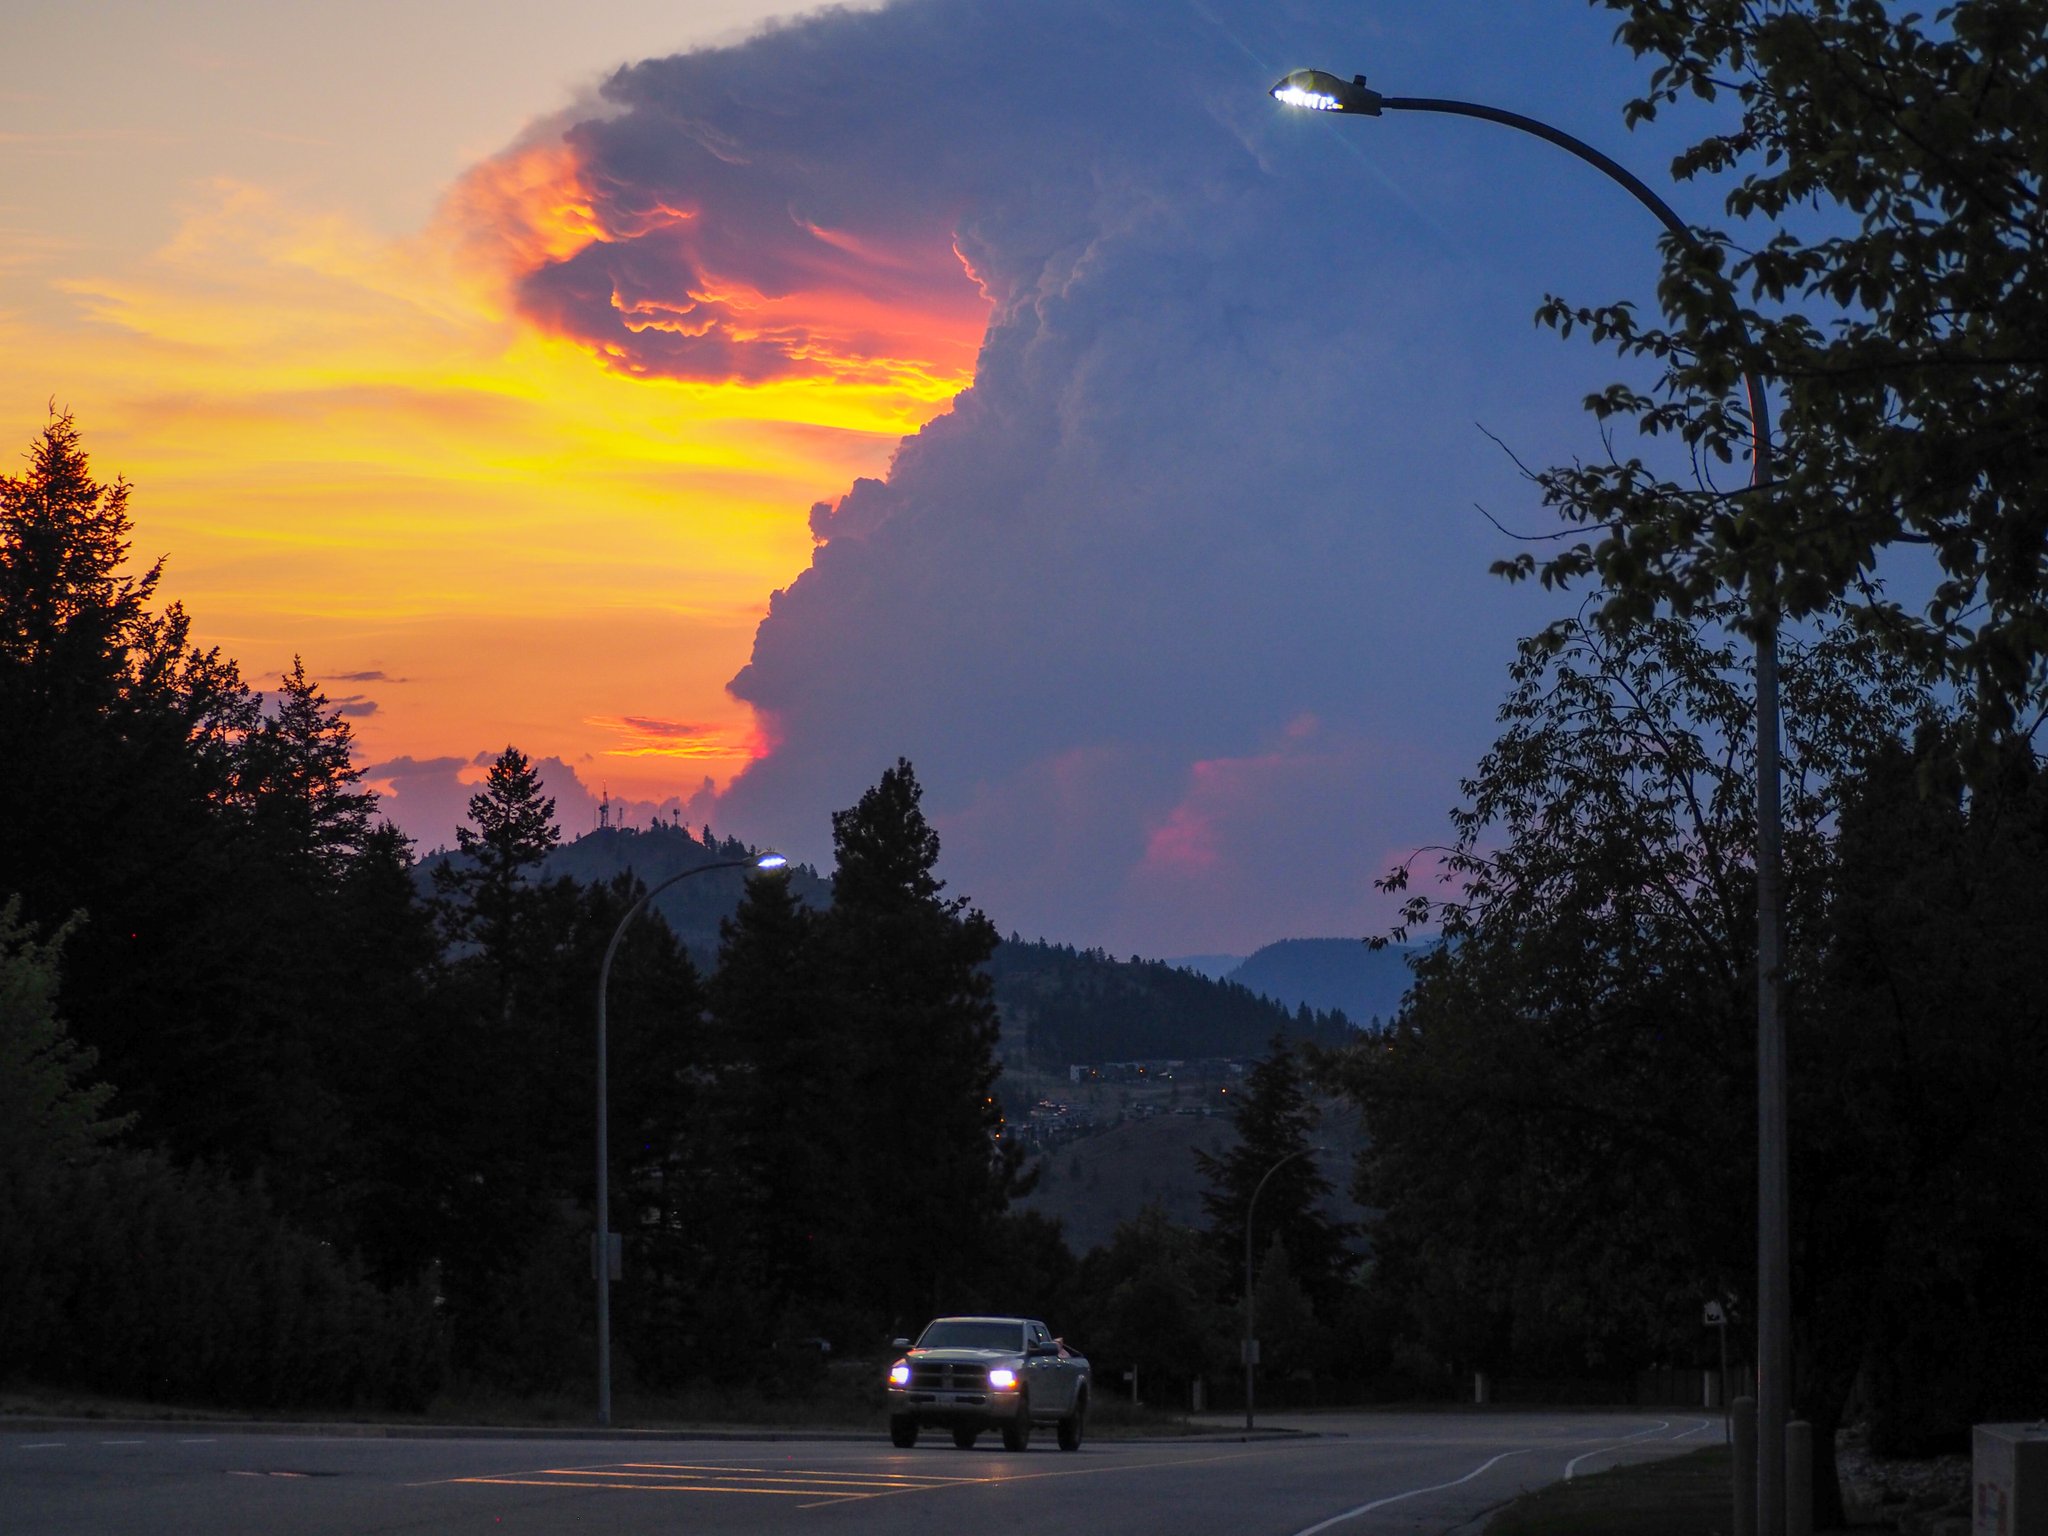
{"x":899,"y":1343}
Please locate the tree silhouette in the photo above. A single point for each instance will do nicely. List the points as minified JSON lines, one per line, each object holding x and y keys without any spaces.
{"x":1275,"y":1121}
{"x":1560,"y":1178}
{"x":1886,"y":164}
{"x":904,"y":967}
{"x":52,"y":1112}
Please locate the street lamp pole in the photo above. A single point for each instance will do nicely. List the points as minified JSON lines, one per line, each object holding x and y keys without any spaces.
{"x":602,"y":1258}
{"x":1251,"y":1335}
{"x":1320,"y":91}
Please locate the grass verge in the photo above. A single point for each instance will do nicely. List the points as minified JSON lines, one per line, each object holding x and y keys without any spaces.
{"x":1676,"y":1496}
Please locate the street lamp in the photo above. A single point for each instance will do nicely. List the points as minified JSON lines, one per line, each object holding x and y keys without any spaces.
{"x":602,"y":1258}
{"x":1251,"y":1337}
{"x":1317,"y":90}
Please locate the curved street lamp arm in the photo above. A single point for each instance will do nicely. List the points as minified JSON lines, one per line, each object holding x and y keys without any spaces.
{"x":604,"y":971}
{"x":1752,"y":386}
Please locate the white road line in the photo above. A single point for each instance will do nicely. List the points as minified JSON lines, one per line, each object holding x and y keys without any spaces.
{"x":136,"y":1442}
{"x":1572,"y":1466}
{"x":1395,"y":1498}
{"x":211,"y":1439}
{"x":47,"y":1445}
{"x":1703,"y":1424}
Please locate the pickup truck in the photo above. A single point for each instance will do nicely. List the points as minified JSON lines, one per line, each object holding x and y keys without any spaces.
{"x":968,"y":1374}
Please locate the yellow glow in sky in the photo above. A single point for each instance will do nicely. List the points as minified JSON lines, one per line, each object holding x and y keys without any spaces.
{"x":350,"y":450}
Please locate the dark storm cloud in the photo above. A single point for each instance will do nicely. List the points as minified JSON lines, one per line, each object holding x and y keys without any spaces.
{"x":1186,"y":590}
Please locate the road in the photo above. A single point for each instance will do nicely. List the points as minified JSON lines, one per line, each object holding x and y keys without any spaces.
{"x":1353,"y":1475}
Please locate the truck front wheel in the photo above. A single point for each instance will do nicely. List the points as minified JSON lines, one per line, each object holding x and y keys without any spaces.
{"x":1070,"y":1426}
{"x":1017,"y":1431}
{"x":903,"y":1433}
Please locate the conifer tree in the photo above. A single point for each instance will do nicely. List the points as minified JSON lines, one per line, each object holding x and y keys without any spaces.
{"x":1275,"y":1122}
{"x":503,"y":1015}
{"x":52,"y":1114}
{"x":117,"y":742}
{"x":780,"y":1056}
{"x":511,"y":829}
{"x":905,"y":968}
{"x":299,"y":785}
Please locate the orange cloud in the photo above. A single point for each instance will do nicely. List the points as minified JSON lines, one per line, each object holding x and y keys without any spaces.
{"x":736,"y":285}
{"x":354,"y":450}
{"x":522,"y":209}
{"x":645,"y":736}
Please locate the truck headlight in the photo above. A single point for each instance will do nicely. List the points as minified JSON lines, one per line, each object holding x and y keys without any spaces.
{"x":899,"y":1374}
{"x":1002,"y":1379}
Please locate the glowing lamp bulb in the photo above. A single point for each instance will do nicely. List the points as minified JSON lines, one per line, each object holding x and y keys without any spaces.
{"x":1295,"y":96}
{"x":1318,"y":90}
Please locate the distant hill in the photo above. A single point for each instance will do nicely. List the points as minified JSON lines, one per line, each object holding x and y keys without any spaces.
{"x":1062,"y":1005}
{"x":1215,"y":967}
{"x":1058,"y":1004}
{"x":692,"y":907}
{"x":1365,"y":983}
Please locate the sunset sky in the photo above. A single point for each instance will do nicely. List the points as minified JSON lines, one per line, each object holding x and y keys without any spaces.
{"x":506,"y":361}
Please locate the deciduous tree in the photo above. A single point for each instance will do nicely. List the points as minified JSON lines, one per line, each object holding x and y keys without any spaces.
{"x":1561,"y":1142}
{"x":1888,"y":282}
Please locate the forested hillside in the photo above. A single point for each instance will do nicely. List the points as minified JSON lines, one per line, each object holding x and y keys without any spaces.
{"x":1057,"y":1004}
{"x":1060,"y":1005}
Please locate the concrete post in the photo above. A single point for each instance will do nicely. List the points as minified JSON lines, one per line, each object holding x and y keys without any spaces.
{"x":1742,"y":1419}
{"x":1799,"y":1478}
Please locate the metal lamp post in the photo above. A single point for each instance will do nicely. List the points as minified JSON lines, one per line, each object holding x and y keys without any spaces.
{"x":1251,"y":1336}
{"x":1317,"y":90}
{"x":603,"y":1256}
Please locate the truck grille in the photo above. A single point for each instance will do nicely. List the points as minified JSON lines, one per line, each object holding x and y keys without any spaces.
{"x":949,"y":1378}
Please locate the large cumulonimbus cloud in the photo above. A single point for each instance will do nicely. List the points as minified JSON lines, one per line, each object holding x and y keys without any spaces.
{"x":1182,"y":610}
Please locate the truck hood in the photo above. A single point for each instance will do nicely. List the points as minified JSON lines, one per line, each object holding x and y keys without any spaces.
{"x":963,"y":1356}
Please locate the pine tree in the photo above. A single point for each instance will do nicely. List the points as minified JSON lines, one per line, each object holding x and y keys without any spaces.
{"x":299,"y":785}
{"x":392,"y":1059}
{"x":117,"y":742}
{"x":1273,"y":1162}
{"x":511,"y":830}
{"x":905,"y":969}
{"x":52,"y":1114}
{"x":781,"y":1056}
{"x":506,"y":1025}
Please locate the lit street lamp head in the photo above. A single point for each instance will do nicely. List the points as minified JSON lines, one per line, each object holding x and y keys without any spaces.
{"x":1319,"y":91}
{"x":771,"y":861}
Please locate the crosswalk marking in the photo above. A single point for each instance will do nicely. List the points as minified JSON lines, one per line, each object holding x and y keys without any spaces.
{"x":684,"y":1477}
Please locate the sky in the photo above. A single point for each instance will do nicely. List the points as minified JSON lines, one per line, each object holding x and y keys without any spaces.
{"x":719,"y":407}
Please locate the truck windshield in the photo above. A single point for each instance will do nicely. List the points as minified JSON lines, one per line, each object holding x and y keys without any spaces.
{"x":960,"y":1333}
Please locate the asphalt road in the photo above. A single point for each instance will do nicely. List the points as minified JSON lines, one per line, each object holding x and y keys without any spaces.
{"x":1353,"y":1474}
